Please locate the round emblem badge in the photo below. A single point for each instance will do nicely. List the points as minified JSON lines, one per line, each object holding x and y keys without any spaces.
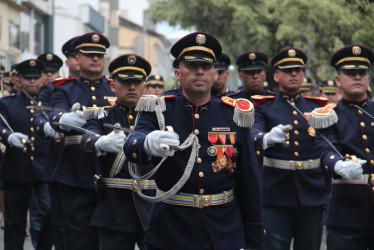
{"x":157,"y":77}
{"x":330,"y":83}
{"x":212,"y":151}
{"x":95,"y":38}
{"x":131,"y":59}
{"x":200,"y":39}
{"x":252,"y":56}
{"x":32,"y":63}
{"x":291,"y":53}
{"x":356,"y":50}
{"x":49,"y":57}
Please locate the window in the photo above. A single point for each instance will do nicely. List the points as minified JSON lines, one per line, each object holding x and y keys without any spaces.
{"x":14,"y":35}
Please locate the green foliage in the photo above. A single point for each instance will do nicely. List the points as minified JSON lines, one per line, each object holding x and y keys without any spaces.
{"x":319,"y":27}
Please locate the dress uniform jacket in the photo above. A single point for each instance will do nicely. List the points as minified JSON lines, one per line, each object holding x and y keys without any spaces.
{"x":351,"y":203}
{"x":117,"y":209}
{"x":53,"y":149}
{"x":76,"y":168}
{"x":284,"y":187}
{"x":17,"y":165}
{"x":233,"y":225}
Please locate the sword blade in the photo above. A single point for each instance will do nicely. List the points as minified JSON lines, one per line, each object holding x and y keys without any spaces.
{"x":76,"y":128}
{"x":107,"y":125}
{"x":34,"y":102}
{"x":45,"y":108}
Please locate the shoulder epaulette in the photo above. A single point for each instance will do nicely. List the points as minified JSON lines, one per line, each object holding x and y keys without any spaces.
{"x":149,"y":103}
{"x":320,"y":100}
{"x":244,"y":111}
{"x":110,"y":80}
{"x":260,"y":99}
{"x":57,"y":82}
{"x":169,"y":96}
{"x":331,"y":105}
{"x":8,"y":96}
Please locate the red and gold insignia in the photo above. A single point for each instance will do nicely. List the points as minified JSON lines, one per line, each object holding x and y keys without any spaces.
{"x":32,"y":63}
{"x":49,"y":57}
{"x":131,"y":59}
{"x":252,"y":56}
{"x":291,"y":53}
{"x":356,"y":50}
{"x":200,"y":39}
{"x":260,"y":99}
{"x":111,"y":100}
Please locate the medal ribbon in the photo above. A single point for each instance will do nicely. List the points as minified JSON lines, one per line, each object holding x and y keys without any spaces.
{"x":212,"y":138}
{"x":229,"y":152}
{"x":232,"y":138}
{"x":222,"y":138}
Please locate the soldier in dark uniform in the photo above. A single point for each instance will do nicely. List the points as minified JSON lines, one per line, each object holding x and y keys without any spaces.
{"x":307,"y":87}
{"x":251,"y":66}
{"x":75,"y":169}
{"x":121,"y":215}
{"x":52,"y":63}
{"x":220,"y":87}
{"x":330,"y":91}
{"x":155,"y":85}
{"x":349,"y":213}
{"x":22,"y":166}
{"x":293,"y":182}
{"x":219,"y":206}
{"x":69,"y":51}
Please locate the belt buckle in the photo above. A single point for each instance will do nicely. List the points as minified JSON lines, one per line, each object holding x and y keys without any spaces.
{"x":134,"y":186}
{"x":292,"y":165}
{"x":299,"y":165}
{"x":204,"y":201}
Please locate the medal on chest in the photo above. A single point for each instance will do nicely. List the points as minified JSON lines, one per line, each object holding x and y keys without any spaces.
{"x":223,"y":152}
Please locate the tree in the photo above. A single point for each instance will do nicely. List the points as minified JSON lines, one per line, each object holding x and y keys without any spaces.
{"x":319,"y":27}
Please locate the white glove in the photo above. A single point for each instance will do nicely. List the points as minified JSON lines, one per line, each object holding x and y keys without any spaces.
{"x":48,"y":130}
{"x":157,"y":143}
{"x":349,"y":169}
{"x":15,"y":139}
{"x":112,"y":142}
{"x":276,"y":135}
{"x":75,"y":117}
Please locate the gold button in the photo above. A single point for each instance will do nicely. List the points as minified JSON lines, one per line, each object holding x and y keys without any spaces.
{"x":326,"y":167}
{"x":31,"y":102}
{"x":332,"y":157}
{"x":3,"y":131}
{"x":201,"y":174}
{"x":32,"y":158}
{"x":32,"y":148}
{"x":296,"y":154}
{"x":296,"y":143}
{"x":294,"y":112}
{"x":93,"y":97}
{"x":201,"y":191}
{"x":134,"y":142}
{"x":131,"y":117}
{"x":260,"y":133}
{"x":296,"y":122}
{"x":32,"y":129}
{"x":360,"y":112}
{"x":197,"y":116}
{"x":134,"y":156}
{"x":37,"y":128}
{"x":362,"y":124}
{"x":296,"y":132}
{"x":255,"y":139}
{"x":95,"y":106}
{"x":93,"y":88}
{"x":97,"y":135}
{"x":372,"y":188}
{"x":199,"y":145}
{"x":196,"y":131}
{"x":32,"y":111}
{"x":367,"y":150}
{"x":199,"y":160}
{"x":372,"y":161}
{"x":31,"y":119}
{"x":293,"y":103}
{"x":258,"y":152}
{"x":53,"y":118}
{"x":131,"y":127}
{"x":364,"y":137}
{"x":60,"y":113}
{"x":32,"y":138}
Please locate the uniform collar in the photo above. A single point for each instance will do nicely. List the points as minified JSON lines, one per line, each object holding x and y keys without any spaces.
{"x":91,"y":82}
{"x":125,"y":108}
{"x":196,"y":108}
{"x":290,"y":97}
{"x":352,"y":104}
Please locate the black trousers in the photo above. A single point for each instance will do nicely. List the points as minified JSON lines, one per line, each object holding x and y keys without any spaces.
{"x":116,"y":240}
{"x":56,"y":216}
{"x":16,"y":203}
{"x":345,"y":238}
{"x":78,"y":205}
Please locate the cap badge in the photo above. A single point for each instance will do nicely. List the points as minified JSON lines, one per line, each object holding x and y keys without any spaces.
{"x":330,"y":83}
{"x":131,"y":59}
{"x":157,"y":77}
{"x":291,"y":53}
{"x":356,"y":50}
{"x":49,"y":57}
{"x":32,"y":63}
{"x":200,"y":39}
{"x":305,"y":80}
{"x":252,"y":56}
{"x":95,"y":38}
